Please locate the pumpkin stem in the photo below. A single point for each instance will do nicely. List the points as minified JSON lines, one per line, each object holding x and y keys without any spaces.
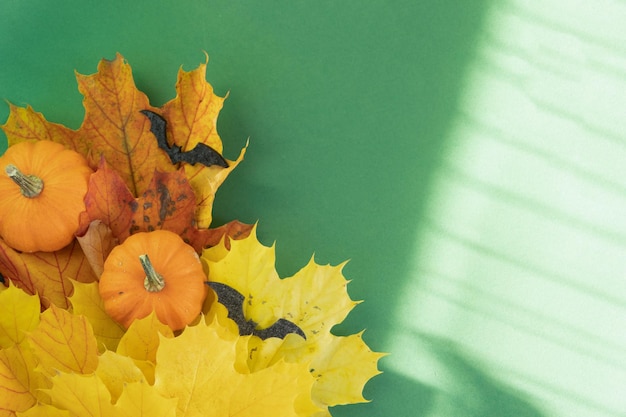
{"x":153,"y":281}
{"x":30,"y":185}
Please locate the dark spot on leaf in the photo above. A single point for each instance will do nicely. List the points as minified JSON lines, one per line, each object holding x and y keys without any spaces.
{"x":168,"y":206}
{"x":252,"y":351}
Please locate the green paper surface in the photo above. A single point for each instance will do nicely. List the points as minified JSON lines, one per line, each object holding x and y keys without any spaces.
{"x":466,"y":156}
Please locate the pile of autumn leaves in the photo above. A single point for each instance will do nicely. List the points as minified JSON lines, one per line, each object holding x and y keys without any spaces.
{"x":61,"y":354}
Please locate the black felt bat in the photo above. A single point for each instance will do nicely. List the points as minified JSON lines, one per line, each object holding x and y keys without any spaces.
{"x":233,"y":301}
{"x":200,"y":154}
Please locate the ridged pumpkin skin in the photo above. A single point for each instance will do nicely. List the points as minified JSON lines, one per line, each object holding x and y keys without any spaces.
{"x":122,"y":282}
{"x":46,"y":222}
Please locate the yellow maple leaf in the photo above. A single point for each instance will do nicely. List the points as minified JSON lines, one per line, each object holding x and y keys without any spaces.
{"x":64,"y":342}
{"x":315,"y":299}
{"x":214,"y":311}
{"x":192,"y":119}
{"x":19,"y":314}
{"x":217,"y":389}
{"x":116,"y":371}
{"x":141,"y":341}
{"x":25,"y":124}
{"x":81,"y":395}
{"x":342,"y":367}
{"x":20,"y":383}
{"x":142,"y":338}
{"x":87,"y":395}
{"x":44,"y":410}
{"x":141,"y":400}
{"x":49,"y":364}
{"x":19,"y":380}
{"x":86,"y":301}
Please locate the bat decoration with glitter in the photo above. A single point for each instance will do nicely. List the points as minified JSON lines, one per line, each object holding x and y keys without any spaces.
{"x":233,"y":301}
{"x":200,"y":154}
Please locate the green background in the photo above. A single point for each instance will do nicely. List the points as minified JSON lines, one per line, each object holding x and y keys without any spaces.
{"x":345,"y":105}
{"x":349,"y":107}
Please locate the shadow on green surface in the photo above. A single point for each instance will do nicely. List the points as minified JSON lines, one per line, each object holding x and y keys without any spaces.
{"x":473,"y":391}
{"x":463,"y":388}
{"x":347,"y":108}
{"x":401,"y":396}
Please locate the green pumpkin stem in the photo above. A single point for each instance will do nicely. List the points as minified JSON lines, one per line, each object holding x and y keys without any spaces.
{"x":153,"y":281}
{"x":30,"y":185}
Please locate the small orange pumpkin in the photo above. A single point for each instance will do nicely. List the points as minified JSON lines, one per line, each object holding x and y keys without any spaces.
{"x":42,"y":191}
{"x":153,"y":271}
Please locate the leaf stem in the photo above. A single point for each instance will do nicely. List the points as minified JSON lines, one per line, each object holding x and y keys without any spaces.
{"x":153,"y":281}
{"x":30,"y":185}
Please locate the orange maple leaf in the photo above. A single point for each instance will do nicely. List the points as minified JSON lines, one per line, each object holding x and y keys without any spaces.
{"x":115,"y":128}
{"x":46,"y":273}
{"x":108,"y":199}
{"x":167,"y":204}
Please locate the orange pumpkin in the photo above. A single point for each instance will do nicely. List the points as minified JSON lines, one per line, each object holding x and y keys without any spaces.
{"x":42,"y":188}
{"x":153,"y":271}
